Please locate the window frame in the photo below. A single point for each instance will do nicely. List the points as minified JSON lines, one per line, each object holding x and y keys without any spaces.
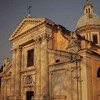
{"x":95,"y":38}
{"x":29,"y":59}
{"x":95,"y":33}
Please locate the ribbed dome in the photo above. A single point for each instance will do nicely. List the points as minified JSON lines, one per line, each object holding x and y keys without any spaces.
{"x":88,"y":19}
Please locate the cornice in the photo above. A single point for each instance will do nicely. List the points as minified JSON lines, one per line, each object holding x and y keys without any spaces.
{"x":89,"y":51}
{"x":28,"y":70}
{"x":87,"y":28}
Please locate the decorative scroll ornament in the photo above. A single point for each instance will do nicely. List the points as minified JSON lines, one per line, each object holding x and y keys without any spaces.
{"x":6,"y":61}
{"x":73,"y":43}
{"x":72,"y":40}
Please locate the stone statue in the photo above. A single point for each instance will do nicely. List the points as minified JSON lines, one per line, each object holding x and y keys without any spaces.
{"x":73,"y":43}
{"x":71,"y":39}
{"x":6,"y":61}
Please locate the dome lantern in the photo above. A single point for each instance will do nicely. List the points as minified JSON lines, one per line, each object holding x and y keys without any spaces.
{"x":88,"y":8}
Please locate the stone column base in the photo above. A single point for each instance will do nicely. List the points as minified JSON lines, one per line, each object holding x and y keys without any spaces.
{"x":10,"y":97}
{"x":41,"y":98}
{"x":17,"y":97}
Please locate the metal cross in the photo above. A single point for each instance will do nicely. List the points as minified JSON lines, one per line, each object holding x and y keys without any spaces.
{"x":29,"y":9}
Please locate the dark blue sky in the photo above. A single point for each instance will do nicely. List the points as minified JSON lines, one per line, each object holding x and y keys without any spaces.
{"x":64,"y":12}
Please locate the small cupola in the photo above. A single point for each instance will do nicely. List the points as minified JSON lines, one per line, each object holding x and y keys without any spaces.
{"x":88,"y":8}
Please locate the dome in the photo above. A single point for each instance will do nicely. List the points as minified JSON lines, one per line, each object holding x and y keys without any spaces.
{"x":88,"y":19}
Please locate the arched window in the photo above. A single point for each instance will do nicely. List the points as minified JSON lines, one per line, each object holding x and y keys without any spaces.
{"x":89,"y":10}
{"x":86,"y":11}
{"x":98,"y":72}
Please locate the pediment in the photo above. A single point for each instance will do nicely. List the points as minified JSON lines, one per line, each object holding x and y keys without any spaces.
{"x":25,"y":25}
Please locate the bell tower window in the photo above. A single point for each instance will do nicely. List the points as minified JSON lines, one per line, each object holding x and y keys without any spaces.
{"x":86,"y":11}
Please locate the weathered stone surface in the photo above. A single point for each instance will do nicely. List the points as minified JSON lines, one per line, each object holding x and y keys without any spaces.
{"x":65,"y":65}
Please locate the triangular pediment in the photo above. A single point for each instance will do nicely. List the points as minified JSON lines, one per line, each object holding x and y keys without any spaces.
{"x":25,"y":25}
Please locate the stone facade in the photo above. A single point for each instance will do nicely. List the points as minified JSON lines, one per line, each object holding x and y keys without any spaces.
{"x":50,"y":62}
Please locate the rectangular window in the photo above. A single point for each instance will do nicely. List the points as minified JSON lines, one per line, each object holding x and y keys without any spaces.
{"x":58,"y":60}
{"x":95,"y":38}
{"x":30,"y":57}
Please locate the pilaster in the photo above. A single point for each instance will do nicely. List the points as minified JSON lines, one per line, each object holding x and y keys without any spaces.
{"x":41,"y":65}
{"x":18,"y":76}
{"x":16,"y":67}
{"x":44,"y":68}
{"x":37,"y":59}
{"x":13,"y":71}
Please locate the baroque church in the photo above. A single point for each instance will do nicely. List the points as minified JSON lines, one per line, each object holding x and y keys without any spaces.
{"x":50,"y":62}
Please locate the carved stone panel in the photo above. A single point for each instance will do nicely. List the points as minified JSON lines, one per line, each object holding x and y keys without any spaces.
{"x":60,"y":83}
{"x":28,"y":79}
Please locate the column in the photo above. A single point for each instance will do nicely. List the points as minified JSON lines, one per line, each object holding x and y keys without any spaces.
{"x":37,"y":58}
{"x":18,"y":75}
{"x":44,"y":69}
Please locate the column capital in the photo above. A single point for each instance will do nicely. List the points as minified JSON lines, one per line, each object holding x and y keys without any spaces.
{"x":13,"y":49}
{"x":45,"y":36}
{"x":39,"y":38}
{"x":18,"y":48}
